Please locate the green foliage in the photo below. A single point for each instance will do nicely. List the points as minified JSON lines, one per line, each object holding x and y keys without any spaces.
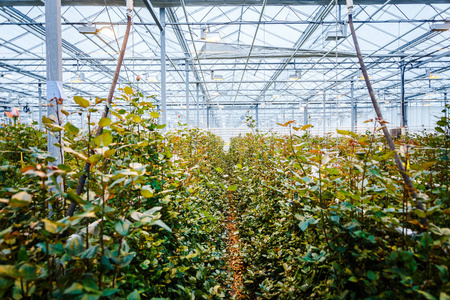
{"x":338,"y":223}
{"x":141,"y":228}
{"x":323,"y":218}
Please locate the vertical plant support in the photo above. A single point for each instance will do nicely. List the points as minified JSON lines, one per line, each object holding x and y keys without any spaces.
{"x":87,"y":166}
{"x":406,"y":178}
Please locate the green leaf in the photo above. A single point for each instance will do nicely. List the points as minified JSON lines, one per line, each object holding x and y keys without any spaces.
{"x":122,"y":227}
{"x":304,"y":225}
{"x":104,"y":122}
{"x":71,"y":128}
{"x":127,"y":259}
{"x":161,"y":224}
{"x":372,"y":275}
{"x":90,"y":253}
{"x":22,"y":255}
{"x":219,"y":169}
{"x":154,"y":114}
{"x":106,"y":263}
{"x":9,"y":271}
{"x":353,"y":279}
{"x":232,"y":188}
{"x":419,"y":213}
{"x":21,"y":199}
{"x":427,"y":296}
{"x":128,"y":90}
{"x":74,"y":289}
{"x":134,"y":295}
{"x":74,"y":245}
{"x":104,"y":139}
{"x":81,"y":101}
{"x":31,"y":272}
{"x":109,"y":291}
{"x":439,"y":129}
{"x":94,"y":159}
{"x":444,"y":296}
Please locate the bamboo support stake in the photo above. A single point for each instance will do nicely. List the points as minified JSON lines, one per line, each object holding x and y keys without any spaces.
{"x":87,"y":166}
{"x":401,"y":168}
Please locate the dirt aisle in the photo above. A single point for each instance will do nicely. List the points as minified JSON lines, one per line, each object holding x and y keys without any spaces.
{"x":233,"y":254}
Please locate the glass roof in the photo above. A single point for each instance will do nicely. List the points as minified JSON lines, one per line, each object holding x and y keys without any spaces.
{"x":260,"y":51}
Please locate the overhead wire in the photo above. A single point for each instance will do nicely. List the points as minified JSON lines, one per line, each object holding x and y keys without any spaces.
{"x":196,"y":52}
{"x":251,"y":49}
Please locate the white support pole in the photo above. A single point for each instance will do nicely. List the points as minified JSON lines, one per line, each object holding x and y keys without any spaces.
{"x":40,"y":105}
{"x":187,"y":91}
{"x":352,"y":107}
{"x":324,"y":115}
{"x":198,"y":104}
{"x":162,"y":18}
{"x":55,"y":91}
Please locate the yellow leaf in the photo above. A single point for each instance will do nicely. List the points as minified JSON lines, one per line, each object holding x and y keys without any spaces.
{"x":147,"y":191}
{"x":81,"y":101}
{"x":136,"y":119}
{"x":305,"y":127}
{"x":21,"y":199}
{"x":104,"y":122}
{"x":47,"y":121}
{"x":128,"y":90}
{"x":344,"y":132}
{"x":154,"y":114}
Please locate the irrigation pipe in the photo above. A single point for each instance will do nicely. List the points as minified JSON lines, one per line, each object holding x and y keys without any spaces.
{"x":87,"y":166}
{"x":388,"y":137}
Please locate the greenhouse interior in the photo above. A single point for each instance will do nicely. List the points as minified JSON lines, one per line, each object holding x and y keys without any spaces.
{"x":242,"y":149}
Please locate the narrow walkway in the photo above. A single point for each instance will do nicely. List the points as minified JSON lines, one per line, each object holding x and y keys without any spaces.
{"x":233,"y":255}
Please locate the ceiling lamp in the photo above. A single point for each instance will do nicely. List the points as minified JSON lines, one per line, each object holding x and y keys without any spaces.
{"x":107,"y":31}
{"x":339,"y":34}
{"x":7,"y":75}
{"x":213,"y":37}
{"x":431,"y":76}
{"x":79,"y":78}
{"x":294,"y":76}
{"x":216,"y":77}
{"x":440,"y":26}
{"x":88,"y":29}
{"x":360,"y":75}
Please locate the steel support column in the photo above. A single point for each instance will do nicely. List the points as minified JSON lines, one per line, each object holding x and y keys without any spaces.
{"x":352,"y":106}
{"x":197,"y":86}
{"x":40,"y":105}
{"x":445,"y":105}
{"x":55,"y":91}
{"x":208,"y":111}
{"x":305,"y":114}
{"x":257,"y":115}
{"x":404,"y":120}
{"x":162,"y":19}
{"x":324,"y":114}
{"x":187,"y":91}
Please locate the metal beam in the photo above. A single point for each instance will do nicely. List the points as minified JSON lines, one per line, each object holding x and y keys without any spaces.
{"x":152,"y":11}
{"x":176,"y":3}
{"x":162,"y":17}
